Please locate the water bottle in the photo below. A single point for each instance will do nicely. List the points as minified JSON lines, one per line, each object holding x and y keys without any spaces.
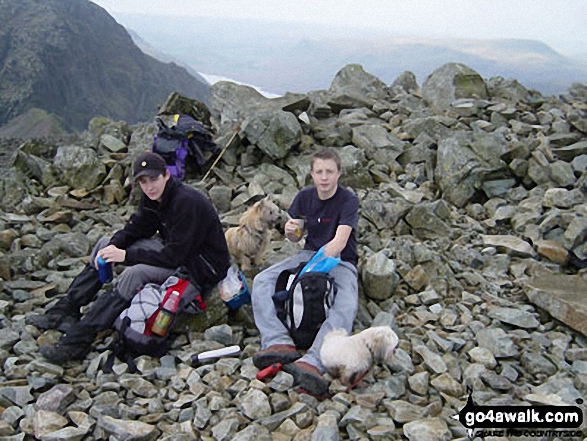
{"x":165,"y":315}
{"x":104,"y":270}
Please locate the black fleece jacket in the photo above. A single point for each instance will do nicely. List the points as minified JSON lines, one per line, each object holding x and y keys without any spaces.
{"x":191,"y":231}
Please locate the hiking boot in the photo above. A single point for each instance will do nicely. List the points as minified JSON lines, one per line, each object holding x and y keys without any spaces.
{"x":308,"y":378}
{"x":60,"y":353}
{"x":52,"y":321}
{"x":60,"y":316}
{"x":283,"y":354}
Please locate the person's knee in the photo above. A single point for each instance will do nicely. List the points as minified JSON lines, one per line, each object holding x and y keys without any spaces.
{"x":130,"y":281}
{"x":262,"y":279}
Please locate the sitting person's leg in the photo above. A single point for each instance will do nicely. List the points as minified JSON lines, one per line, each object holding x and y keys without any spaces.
{"x":81,"y":291}
{"x":276,"y":343}
{"x":77,"y":341}
{"x":308,"y":370}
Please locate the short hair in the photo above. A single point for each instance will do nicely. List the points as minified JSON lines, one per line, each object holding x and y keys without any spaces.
{"x":324,"y":154}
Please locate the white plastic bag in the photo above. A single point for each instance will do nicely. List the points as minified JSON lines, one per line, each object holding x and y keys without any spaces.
{"x":231,"y":286}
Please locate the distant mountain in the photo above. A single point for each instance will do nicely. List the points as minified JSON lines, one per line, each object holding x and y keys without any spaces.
{"x":71,"y":59}
{"x":292,"y":57}
{"x":162,"y":56}
{"x":532,"y":63}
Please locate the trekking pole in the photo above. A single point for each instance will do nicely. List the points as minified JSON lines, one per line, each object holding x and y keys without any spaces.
{"x":232,"y":138}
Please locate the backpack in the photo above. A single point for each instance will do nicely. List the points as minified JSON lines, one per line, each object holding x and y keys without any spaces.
{"x":187,"y":137}
{"x":135,"y":322}
{"x":303,"y":301}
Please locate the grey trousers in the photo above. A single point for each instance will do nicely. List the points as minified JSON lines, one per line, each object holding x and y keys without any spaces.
{"x":341,"y":315}
{"x":134,"y":277}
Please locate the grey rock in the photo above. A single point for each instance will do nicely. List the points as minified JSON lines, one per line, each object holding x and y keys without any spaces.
{"x":514,"y":317}
{"x":560,"y":295}
{"x":403,"y":412}
{"x":497,"y":341}
{"x":225,"y":429}
{"x":111,"y":143}
{"x":80,"y":167}
{"x":353,"y":164}
{"x":352,"y":81}
{"x":405,"y":82}
{"x":139,"y":386}
{"x":273,"y":421}
{"x":57,"y":399}
{"x":425,"y":223}
{"x":568,"y":153}
{"x":451,"y":82}
{"x":46,"y":422}
{"x":130,"y":430}
{"x":220,"y":333}
{"x":379,"y":277}
{"x":275,"y":133}
{"x":465,"y":161}
{"x":253,"y":432}
{"x":433,"y":360}
{"x":255,"y":404}
{"x":447,"y":384}
{"x":428,"y":429}
{"x":510,"y":244}
{"x":536,"y":364}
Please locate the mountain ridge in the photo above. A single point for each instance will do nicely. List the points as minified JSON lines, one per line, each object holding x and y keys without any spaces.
{"x":73,"y":60}
{"x":293,"y":57}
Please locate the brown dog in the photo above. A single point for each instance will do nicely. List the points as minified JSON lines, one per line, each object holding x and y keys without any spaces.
{"x":248,"y":241}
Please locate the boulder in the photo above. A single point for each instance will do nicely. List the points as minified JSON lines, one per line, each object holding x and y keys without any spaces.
{"x":274,"y":133}
{"x":353,"y":87}
{"x":562,"y":296}
{"x":80,"y":167}
{"x":379,"y":277}
{"x":452,"y":82}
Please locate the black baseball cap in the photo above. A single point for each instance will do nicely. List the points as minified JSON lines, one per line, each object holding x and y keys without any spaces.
{"x":149,"y":164}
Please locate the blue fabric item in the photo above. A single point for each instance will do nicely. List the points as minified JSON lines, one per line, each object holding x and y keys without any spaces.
{"x":320,"y":263}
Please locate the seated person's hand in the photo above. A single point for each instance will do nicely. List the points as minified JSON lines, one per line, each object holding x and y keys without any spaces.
{"x":110,"y":254}
{"x":291,"y":230}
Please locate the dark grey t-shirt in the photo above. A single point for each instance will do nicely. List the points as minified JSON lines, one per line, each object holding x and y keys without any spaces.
{"x":322,"y":218}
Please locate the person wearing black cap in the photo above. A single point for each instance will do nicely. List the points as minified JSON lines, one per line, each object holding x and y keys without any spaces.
{"x":190,"y":236}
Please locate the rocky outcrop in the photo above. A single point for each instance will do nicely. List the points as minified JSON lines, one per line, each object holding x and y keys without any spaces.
{"x":472,"y":235}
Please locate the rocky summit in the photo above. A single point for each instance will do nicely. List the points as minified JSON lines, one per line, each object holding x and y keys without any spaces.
{"x":472,"y":242}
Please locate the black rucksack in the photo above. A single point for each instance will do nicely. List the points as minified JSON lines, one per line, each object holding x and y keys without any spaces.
{"x":134,"y":324}
{"x":187,"y":138}
{"x":303,"y":301}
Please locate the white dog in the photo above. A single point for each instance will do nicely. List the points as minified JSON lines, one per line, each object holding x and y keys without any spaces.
{"x":350,"y":357}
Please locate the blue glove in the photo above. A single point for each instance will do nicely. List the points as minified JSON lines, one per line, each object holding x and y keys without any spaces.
{"x":320,"y":263}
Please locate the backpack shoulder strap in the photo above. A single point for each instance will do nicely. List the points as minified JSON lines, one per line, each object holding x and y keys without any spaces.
{"x":119,"y":350}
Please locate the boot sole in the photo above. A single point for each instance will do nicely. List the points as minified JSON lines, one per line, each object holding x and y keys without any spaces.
{"x":264,"y":360}
{"x":309,"y":382}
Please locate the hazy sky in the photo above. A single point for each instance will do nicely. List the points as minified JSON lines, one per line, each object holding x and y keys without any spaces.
{"x":561,"y":24}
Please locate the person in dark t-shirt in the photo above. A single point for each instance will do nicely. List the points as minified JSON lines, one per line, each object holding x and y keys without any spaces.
{"x":329,"y":213}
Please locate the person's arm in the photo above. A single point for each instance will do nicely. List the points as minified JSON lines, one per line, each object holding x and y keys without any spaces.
{"x":348,"y":220}
{"x":337,"y":244}
{"x":141,"y":225}
{"x":192,"y":221}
